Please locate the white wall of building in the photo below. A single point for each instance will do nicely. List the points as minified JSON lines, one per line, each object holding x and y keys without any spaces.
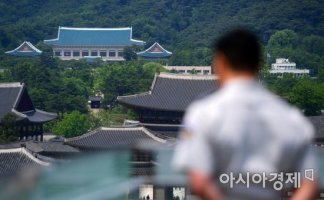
{"x":76,"y":53}
{"x":283,"y":66}
{"x":188,"y":69}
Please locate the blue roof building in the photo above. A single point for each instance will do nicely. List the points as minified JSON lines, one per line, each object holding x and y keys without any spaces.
{"x":156,"y":51}
{"x":107,"y":43}
{"x":25,"y":49}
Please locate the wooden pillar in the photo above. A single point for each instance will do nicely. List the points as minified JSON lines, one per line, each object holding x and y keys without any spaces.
{"x":41,"y":132}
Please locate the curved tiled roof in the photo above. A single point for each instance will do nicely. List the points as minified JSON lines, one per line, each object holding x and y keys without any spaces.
{"x":155,"y":51}
{"x":41,"y":147}
{"x":25,"y":49}
{"x":69,"y":36}
{"x":172,"y":92}
{"x":115,"y":138}
{"x":11,"y":95}
{"x":13,"y":161}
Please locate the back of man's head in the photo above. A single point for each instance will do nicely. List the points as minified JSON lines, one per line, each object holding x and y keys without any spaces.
{"x":241,"y":49}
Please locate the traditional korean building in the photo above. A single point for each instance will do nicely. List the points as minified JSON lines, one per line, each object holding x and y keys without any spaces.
{"x":156,"y":51}
{"x":115,"y":139}
{"x":105,"y":43}
{"x":169,"y":97}
{"x":26,"y":49}
{"x":14,"y":99}
{"x":134,"y":139}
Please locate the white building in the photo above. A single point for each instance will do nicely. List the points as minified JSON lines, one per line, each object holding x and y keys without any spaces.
{"x":105,"y":43}
{"x":203,"y":70}
{"x":283,"y":66}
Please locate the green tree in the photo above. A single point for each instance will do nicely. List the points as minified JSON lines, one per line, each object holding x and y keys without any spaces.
{"x":122,"y":79}
{"x":308,"y":96}
{"x":283,"y":39}
{"x":8,"y":131}
{"x":72,"y":124}
{"x":129,"y":53}
{"x":152,"y":67}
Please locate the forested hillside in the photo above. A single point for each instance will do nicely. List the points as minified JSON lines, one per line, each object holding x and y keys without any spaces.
{"x":185,"y":27}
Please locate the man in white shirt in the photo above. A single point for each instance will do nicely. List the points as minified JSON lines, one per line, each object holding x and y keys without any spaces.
{"x":244,"y":130}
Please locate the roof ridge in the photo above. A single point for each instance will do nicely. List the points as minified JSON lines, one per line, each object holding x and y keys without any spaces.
{"x":94,"y":28}
{"x":135,"y":95}
{"x":11,"y":84}
{"x":161,"y":125}
{"x":151,"y":47}
{"x":81,"y":136}
{"x":187,"y":76}
{"x":22,"y":89}
{"x":44,"y":112}
{"x":25,"y":152}
{"x":154,"y":137}
{"x":96,"y":130}
{"x":141,"y":128}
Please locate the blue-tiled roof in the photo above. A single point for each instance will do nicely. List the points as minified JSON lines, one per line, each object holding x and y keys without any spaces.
{"x":155,"y":51}
{"x":68,"y":36}
{"x":25,"y":49}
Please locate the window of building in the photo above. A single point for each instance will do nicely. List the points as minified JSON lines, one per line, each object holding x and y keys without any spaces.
{"x":112,"y":53}
{"x":85,"y":53}
{"x":94,"y":53}
{"x":67,"y":53}
{"x":103,"y":53}
{"x":120,"y":53}
{"x":76,"y":53}
{"x":206,"y":71}
{"x":57,"y":53}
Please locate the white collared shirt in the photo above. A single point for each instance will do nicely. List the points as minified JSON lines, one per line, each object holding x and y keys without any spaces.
{"x":244,"y":128}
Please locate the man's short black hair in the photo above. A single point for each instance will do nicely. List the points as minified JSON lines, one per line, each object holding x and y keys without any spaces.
{"x":241,"y":48}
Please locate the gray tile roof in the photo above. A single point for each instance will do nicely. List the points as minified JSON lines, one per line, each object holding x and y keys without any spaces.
{"x":13,"y":161}
{"x":166,"y":131}
{"x":57,"y":147}
{"x":116,"y":138}
{"x":11,"y":95}
{"x":172,"y":92}
{"x":95,"y":98}
{"x":318,"y":122}
{"x":41,"y":147}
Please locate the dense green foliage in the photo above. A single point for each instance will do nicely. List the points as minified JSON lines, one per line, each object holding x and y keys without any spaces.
{"x":56,"y":89}
{"x":305,"y":93}
{"x":72,"y":124}
{"x":187,"y":28}
{"x":309,"y":96}
{"x":122,"y":78}
{"x":306,"y":51}
{"x":8,"y":131}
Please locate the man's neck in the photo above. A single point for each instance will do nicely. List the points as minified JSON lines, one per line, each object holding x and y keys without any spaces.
{"x":232,"y":77}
